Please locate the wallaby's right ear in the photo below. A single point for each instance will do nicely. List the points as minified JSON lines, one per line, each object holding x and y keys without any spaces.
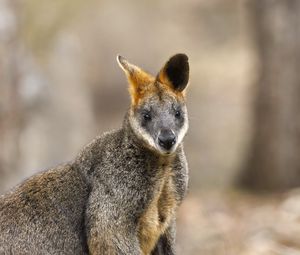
{"x":126,"y":66}
{"x":138,"y":79}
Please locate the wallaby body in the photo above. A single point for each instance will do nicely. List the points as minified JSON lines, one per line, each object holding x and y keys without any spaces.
{"x":119,"y":196}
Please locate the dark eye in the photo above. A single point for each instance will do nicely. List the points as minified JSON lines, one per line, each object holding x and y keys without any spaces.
{"x":177,"y":114}
{"x":147,"y":116}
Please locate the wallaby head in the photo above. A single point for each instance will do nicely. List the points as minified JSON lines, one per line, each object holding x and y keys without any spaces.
{"x":158,"y":114}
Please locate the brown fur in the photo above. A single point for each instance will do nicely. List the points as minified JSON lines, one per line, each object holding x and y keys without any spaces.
{"x":140,"y":85}
{"x":160,"y":211}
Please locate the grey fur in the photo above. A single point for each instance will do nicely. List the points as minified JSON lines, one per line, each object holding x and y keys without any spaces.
{"x":93,"y":204}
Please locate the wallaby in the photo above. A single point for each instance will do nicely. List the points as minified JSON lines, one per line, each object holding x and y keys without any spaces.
{"x":120,"y":194}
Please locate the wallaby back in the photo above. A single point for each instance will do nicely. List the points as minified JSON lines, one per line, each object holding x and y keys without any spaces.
{"x":44,"y":214}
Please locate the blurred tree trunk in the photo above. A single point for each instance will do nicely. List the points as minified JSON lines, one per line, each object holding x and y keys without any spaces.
{"x":274,"y":162}
{"x":10,"y":96}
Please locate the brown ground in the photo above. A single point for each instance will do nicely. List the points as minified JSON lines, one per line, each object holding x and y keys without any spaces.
{"x":235,"y":223}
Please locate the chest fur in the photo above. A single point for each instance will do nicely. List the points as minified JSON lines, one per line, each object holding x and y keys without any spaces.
{"x":158,"y":214}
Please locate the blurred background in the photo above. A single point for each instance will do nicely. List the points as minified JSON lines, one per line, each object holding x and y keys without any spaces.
{"x":60,"y":86}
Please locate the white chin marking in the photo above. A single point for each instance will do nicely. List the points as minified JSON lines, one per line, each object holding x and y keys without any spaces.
{"x":164,"y":152}
{"x":149,"y":140}
{"x":142,"y":133}
{"x":182,"y":132}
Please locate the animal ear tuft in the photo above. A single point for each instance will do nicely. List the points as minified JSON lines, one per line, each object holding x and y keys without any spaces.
{"x":137,"y":78}
{"x":175,"y":72}
{"x":126,"y":66}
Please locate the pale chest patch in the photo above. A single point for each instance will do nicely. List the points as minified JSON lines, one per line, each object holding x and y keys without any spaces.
{"x":158,"y":215}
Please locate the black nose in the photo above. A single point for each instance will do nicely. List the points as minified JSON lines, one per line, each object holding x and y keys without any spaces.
{"x":166,"y":139}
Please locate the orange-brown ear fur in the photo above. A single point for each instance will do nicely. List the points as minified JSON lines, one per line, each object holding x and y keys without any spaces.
{"x":139,"y":80}
{"x":139,"y":84}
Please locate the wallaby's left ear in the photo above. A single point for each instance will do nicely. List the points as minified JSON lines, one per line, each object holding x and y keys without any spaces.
{"x":175,"y":72}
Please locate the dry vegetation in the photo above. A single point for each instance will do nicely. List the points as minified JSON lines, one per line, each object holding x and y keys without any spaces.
{"x":237,"y":223}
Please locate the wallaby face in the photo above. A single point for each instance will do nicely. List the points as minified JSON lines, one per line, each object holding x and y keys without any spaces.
{"x":158,"y":112}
